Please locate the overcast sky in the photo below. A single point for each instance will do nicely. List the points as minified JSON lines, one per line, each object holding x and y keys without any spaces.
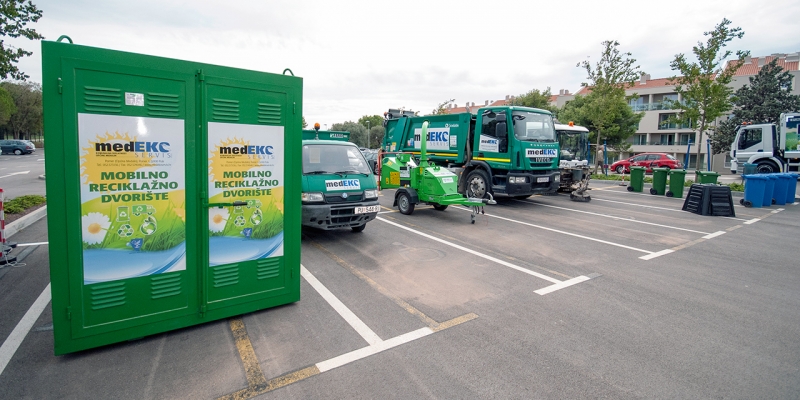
{"x":363,"y":57}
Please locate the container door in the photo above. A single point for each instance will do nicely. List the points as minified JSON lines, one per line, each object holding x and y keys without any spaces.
{"x":493,"y":141}
{"x":244,"y":144}
{"x":125,"y":187}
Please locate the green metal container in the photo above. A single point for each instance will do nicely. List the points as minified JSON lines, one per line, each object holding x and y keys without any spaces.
{"x":677,"y":178}
{"x":705,"y":177}
{"x":637,"y":179}
{"x":173,"y":192}
{"x":659,"y":181}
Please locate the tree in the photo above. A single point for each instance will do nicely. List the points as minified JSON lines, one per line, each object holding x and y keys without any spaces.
{"x":305,"y":124}
{"x":7,"y":106}
{"x":535,"y":99}
{"x":14,"y":15}
{"x":358,"y":133}
{"x":374,"y":124}
{"x":762,"y":101}
{"x":608,"y":79}
{"x":441,"y":109}
{"x":703,"y":85}
{"x":622,"y":123}
{"x":28,"y":100}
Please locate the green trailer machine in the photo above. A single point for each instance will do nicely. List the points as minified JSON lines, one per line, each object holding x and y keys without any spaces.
{"x":424,"y":183}
{"x":173,"y":192}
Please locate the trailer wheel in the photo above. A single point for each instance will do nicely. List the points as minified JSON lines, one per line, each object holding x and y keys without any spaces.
{"x":477,"y":184}
{"x":359,"y":228}
{"x":404,"y":203}
{"x":439,"y":207}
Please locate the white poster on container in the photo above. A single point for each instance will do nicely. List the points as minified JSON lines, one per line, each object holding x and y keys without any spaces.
{"x":245,"y":165}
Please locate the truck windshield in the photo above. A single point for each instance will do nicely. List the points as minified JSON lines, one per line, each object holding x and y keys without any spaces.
{"x":533,"y":127}
{"x":333,"y":159}
{"x":572,"y":145}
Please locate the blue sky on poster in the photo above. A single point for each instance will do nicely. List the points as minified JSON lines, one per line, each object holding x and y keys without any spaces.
{"x":362,"y":57}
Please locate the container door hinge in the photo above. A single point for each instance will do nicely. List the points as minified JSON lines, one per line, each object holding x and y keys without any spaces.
{"x":294,"y":108}
{"x":69,"y":313}
{"x":200,"y":75}
{"x":60,"y":87}
{"x":203,"y":309}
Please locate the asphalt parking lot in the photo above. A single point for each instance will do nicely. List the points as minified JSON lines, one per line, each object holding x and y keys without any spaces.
{"x":626,"y":296}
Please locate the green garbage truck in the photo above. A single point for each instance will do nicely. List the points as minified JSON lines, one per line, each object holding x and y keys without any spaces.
{"x":505,"y":150}
{"x":339,"y":189}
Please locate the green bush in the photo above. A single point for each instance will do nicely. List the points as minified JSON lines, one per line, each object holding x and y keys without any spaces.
{"x":22,"y":203}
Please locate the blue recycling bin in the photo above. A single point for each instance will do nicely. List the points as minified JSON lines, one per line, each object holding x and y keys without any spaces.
{"x":781,"y":185}
{"x":754,"y":186}
{"x":791,"y":188}
{"x":769,"y":190}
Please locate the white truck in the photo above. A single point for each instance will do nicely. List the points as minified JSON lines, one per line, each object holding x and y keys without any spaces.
{"x":771,"y":148}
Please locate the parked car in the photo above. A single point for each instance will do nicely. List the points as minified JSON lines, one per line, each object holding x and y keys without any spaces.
{"x":372,"y":158}
{"x":647,"y":160}
{"x":18,"y":147}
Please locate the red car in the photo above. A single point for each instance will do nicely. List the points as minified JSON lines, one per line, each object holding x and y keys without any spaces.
{"x":647,"y":160}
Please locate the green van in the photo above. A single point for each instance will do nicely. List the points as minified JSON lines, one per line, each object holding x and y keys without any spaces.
{"x":339,"y":189}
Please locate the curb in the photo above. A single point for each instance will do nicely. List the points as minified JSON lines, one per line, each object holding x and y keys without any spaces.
{"x":25,"y":221}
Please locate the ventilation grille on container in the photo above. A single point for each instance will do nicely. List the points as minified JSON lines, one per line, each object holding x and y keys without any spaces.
{"x":105,"y":295}
{"x":227,"y":275}
{"x":165,"y":286}
{"x":269,"y":268}
{"x":102,"y":100}
{"x":163,"y":105}
{"x":269,"y":113}
{"x":225,"y":110}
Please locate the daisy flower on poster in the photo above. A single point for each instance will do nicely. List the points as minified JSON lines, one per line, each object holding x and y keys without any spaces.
{"x":217,"y":218}
{"x":95,"y":226}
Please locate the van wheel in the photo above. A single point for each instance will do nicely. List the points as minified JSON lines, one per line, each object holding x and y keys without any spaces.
{"x":359,"y":228}
{"x":477,"y":184}
{"x":18,"y":152}
{"x":439,"y":207}
{"x":404,"y":204}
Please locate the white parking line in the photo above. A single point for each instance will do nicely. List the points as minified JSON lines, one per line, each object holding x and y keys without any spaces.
{"x":615,"y":217}
{"x":552,"y":288}
{"x":657,"y":254}
{"x":564,"y":232}
{"x":490,"y":258}
{"x":371,"y":337}
{"x":752,"y":221}
{"x":355,"y":355}
{"x":637,"y":205}
{"x":12,"y":342}
{"x":713,"y":235}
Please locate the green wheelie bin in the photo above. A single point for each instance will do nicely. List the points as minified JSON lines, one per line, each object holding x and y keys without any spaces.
{"x":705,"y":177}
{"x":637,"y":179}
{"x":677,"y":177}
{"x":659,"y":181}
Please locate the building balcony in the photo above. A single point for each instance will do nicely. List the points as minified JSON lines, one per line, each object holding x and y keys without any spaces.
{"x":649,"y":107}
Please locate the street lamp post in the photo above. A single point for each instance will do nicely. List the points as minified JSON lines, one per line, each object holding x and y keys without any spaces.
{"x":368,"y":134}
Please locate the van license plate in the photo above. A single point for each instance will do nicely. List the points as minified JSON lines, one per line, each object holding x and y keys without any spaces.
{"x":367,"y":209}
{"x":545,"y":179}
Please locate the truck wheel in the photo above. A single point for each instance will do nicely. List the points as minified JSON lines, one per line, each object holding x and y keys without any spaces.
{"x":439,"y":207}
{"x":404,"y":204}
{"x":359,"y":228}
{"x":477,"y":184}
{"x":766,"y":167}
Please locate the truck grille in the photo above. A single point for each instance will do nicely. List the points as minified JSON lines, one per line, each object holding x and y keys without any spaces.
{"x":352,"y":197}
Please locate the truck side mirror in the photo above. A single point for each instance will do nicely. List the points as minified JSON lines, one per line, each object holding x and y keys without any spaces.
{"x":500,"y":130}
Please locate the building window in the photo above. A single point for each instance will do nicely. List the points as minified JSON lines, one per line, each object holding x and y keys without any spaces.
{"x":639,"y":139}
{"x":685,"y":138}
{"x":666,"y":140}
{"x":665,"y":123}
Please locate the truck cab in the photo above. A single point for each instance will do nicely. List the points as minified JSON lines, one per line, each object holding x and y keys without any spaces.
{"x":339,"y":189}
{"x":769,"y":147}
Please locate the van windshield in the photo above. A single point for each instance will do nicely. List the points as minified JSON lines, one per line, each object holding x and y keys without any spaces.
{"x":533,"y":127}
{"x":333,"y":159}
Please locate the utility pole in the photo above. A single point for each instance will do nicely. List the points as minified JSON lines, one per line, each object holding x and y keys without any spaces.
{"x":368,"y":134}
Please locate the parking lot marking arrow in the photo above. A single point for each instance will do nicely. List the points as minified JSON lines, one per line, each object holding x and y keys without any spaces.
{"x":15,"y":173}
